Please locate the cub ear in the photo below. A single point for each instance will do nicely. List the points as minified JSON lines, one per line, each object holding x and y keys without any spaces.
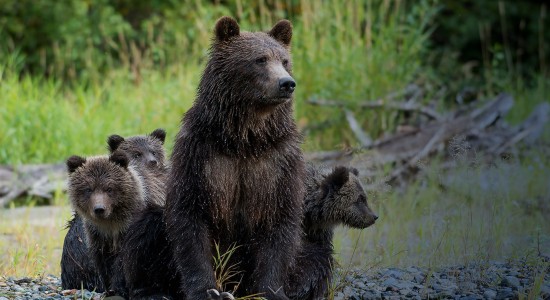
{"x":354,"y":171}
{"x":338,"y":177}
{"x":226,"y":28}
{"x":160,"y":134}
{"x":282,"y":32}
{"x":114,"y":141}
{"x":74,"y":162}
{"x":119,"y":158}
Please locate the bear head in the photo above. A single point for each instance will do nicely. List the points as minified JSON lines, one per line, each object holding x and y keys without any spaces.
{"x":255,"y":67}
{"x":345,"y":200}
{"x":104,"y":190}
{"x":144,"y":151}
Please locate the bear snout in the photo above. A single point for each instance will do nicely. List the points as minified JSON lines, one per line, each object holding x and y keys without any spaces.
{"x":100,"y":209}
{"x":287,"y":85}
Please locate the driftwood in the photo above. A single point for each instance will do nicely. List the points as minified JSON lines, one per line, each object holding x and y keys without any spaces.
{"x":31,"y":180}
{"x":482,"y":128}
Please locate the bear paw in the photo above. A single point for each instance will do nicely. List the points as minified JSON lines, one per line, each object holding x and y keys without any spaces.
{"x":213,"y":294}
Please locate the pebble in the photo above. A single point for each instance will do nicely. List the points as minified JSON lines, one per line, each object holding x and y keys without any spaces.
{"x":511,"y":281}
{"x":489,"y":294}
{"x":495,"y":280}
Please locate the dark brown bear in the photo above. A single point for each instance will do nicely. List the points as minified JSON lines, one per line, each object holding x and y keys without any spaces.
{"x":331,"y":199}
{"x":149,"y":269}
{"x":237,"y":168}
{"x":106,"y":194}
{"x":147,"y":156}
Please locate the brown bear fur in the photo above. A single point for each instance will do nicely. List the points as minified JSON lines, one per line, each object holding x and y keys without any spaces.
{"x":237,"y":169}
{"x":147,"y":156}
{"x":106,"y":194}
{"x":332,"y":198}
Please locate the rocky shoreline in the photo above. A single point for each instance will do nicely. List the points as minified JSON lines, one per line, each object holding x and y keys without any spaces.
{"x":496,"y":280}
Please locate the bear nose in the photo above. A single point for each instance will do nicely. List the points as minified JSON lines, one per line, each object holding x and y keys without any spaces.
{"x":287,"y":84}
{"x":99,"y":210}
{"x":153,"y":162}
{"x":375,"y":217}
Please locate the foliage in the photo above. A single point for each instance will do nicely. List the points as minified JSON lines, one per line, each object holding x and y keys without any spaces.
{"x":354,"y":50}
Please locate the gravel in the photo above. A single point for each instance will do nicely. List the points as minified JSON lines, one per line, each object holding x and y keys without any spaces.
{"x":496,"y":280}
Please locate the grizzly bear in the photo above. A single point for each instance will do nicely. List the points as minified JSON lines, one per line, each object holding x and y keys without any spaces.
{"x":237,"y":169}
{"x":149,"y":269}
{"x":331,"y":199}
{"x":106,"y":193}
{"x":147,"y":155}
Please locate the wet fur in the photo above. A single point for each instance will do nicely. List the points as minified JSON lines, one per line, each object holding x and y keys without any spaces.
{"x":332,"y":198}
{"x":237,"y":168}
{"x":119,"y":186}
{"x":76,"y":267}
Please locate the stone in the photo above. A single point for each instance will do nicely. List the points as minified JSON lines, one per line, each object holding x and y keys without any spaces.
{"x":511,"y":281}
{"x":489,"y":294}
{"x":68,"y":292}
{"x":505,"y":294}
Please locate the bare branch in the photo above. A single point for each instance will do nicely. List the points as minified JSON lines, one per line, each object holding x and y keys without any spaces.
{"x":361,"y":135}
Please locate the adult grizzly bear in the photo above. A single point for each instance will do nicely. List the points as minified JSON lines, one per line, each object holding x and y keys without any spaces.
{"x":237,"y":168}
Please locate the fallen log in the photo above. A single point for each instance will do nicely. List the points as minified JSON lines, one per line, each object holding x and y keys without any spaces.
{"x":482,"y":128}
{"x":31,"y":180}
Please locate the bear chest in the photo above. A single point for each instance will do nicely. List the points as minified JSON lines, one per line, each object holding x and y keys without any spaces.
{"x":243,"y":190}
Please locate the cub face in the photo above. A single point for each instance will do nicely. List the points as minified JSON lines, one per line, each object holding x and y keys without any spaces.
{"x":346,"y":200}
{"x":103,"y":189}
{"x":144,"y":151}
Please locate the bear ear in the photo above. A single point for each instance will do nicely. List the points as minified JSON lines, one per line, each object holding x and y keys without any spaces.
{"x":119,"y":158}
{"x":114,"y":141}
{"x":226,"y":28}
{"x":338,"y":177}
{"x":74,"y":162}
{"x":282,"y":32}
{"x":160,"y":134}
{"x":354,"y":171}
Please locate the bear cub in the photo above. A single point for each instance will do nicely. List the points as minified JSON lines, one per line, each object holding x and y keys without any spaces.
{"x":147,"y":155}
{"x":332,"y":198}
{"x":106,"y":193}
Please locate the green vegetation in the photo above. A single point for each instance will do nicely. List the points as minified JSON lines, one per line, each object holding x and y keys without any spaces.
{"x":74,"y":72}
{"x":481,"y":214}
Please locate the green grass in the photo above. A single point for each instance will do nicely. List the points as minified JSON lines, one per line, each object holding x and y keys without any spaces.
{"x":335,"y":56}
{"x":484,"y":213}
{"x":31,"y":242}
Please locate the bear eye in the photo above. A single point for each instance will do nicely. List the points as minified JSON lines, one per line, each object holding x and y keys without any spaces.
{"x":108,"y":190}
{"x":137,"y":155}
{"x":285,"y":63}
{"x":261,"y":60}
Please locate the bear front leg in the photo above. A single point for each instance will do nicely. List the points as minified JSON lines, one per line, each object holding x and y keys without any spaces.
{"x":190,"y":243}
{"x":274,"y":255}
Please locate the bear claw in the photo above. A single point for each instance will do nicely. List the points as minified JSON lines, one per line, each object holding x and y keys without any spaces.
{"x":213,"y":294}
